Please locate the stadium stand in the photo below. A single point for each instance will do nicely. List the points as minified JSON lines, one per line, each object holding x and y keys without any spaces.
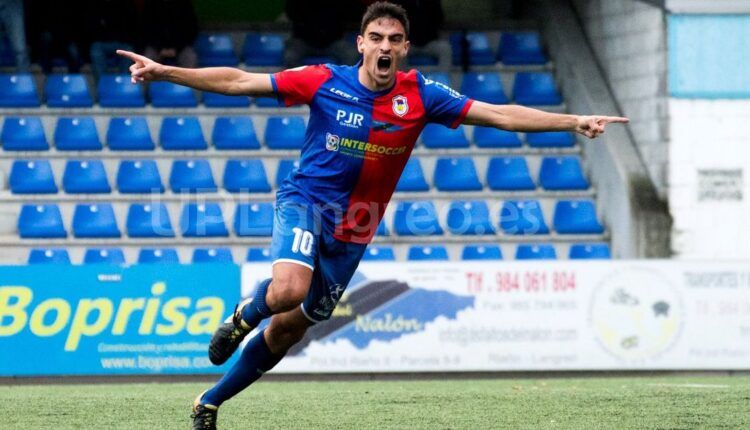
{"x":18,"y":90}
{"x":139,"y":177}
{"x":158,"y":256}
{"x":32,"y":177}
{"x":47,"y":256}
{"x":77,"y":134}
{"x":104,"y":256}
{"x":116,"y":91}
{"x":85,"y":177}
{"x":24,"y":134}
{"x":212,"y":255}
{"x":129,"y":134}
{"x":379,"y":253}
{"x":67,"y":91}
{"x":428,"y":253}
{"x":481,"y":252}
{"x":215,"y":49}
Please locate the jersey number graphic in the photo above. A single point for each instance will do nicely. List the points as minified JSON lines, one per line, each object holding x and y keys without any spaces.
{"x":303,"y":241}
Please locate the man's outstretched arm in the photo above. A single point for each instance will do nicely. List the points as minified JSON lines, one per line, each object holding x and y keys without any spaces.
{"x":519,"y":118}
{"x":224,"y":80}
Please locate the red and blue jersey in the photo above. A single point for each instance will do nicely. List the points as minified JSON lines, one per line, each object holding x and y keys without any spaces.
{"x":357,"y":141}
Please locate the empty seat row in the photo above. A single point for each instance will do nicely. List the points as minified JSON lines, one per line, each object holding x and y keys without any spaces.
{"x":546,"y":251}
{"x":145,"y":255}
{"x":521,"y":47}
{"x":436,"y":136}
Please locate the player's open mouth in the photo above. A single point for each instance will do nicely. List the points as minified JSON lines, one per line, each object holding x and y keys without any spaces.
{"x":384,"y":63}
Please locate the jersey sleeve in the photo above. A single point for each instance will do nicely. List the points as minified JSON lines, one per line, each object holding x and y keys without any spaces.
{"x":443,"y":104}
{"x":298,"y":86}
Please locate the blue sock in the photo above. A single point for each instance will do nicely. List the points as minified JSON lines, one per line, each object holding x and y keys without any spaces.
{"x":258,"y":310}
{"x":255,"y":360}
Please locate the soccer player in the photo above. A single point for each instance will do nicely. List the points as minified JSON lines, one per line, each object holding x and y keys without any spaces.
{"x":364,"y":121}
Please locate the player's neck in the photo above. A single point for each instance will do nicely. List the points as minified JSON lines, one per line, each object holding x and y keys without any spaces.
{"x":368,"y":82}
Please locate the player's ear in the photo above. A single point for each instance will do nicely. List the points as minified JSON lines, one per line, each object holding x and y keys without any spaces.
{"x":406,"y":47}
{"x":360,"y":44}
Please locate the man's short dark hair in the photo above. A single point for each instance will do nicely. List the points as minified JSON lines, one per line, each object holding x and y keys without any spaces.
{"x":383,"y":9}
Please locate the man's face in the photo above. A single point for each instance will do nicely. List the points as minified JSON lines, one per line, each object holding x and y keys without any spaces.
{"x":383,"y":47}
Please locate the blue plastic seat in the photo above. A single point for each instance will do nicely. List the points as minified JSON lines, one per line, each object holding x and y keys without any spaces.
{"x":67,"y":91}
{"x":285,"y":168}
{"x":382,"y":229}
{"x":253,"y":219}
{"x":456,"y":174}
{"x":589,"y":251}
{"x":416,"y":219}
{"x":215,"y":100}
{"x":427,"y":253}
{"x":148,"y":220}
{"x":49,"y":256}
{"x":158,"y":256}
{"x":40,"y":221}
{"x":285,"y":132}
{"x":32,"y":177}
{"x":469,"y":218}
{"x":576,"y":217}
{"x":234,"y":132}
{"x":535,"y":88}
{"x":165,"y":94}
{"x":441,"y":77}
{"x":419,"y":60}
{"x":509,"y":174}
{"x":245,"y":176}
{"x":521,"y":217}
{"x":257,"y":255}
{"x":479,"y":49}
{"x":440,"y":136}
{"x":18,"y":90}
{"x":191,"y":176}
{"x":139,"y":177}
{"x":263,"y":50}
{"x":129,"y":134}
{"x":118,"y":91}
{"x":412,"y":178}
{"x":77,"y":134}
{"x":536,"y":251}
{"x":481,"y":252}
{"x":379,"y":253}
{"x":268,"y":102}
{"x":562,"y":173}
{"x":94,"y":220}
{"x":104,"y":256}
{"x":212,"y":255}
{"x":551,"y":139}
{"x":489,"y":137}
{"x":215,"y":49}
{"x":181,"y":133}
{"x":312,"y":60}
{"x":521,"y":47}
{"x":202,"y":220}
{"x":24,"y":134}
{"x":485,"y":87}
{"x":85,"y":177}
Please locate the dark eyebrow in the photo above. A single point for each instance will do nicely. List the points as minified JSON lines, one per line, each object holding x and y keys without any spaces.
{"x":374,"y":33}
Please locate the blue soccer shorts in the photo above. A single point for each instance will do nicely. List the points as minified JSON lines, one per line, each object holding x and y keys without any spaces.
{"x":302,"y":237}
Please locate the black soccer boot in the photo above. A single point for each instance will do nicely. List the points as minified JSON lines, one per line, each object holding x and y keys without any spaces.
{"x":228,"y":336}
{"x":204,"y":416}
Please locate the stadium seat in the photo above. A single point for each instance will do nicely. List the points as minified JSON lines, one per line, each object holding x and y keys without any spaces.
{"x":441,"y":77}
{"x":158,"y":256}
{"x":24,"y":134}
{"x":379,"y":253}
{"x":489,"y":137}
{"x":268,"y":102}
{"x":202,"y":220}
{"x":234,"y":132}
{"x":485,"y":87}
{"x":212,"y":255}
{"x":148,"y":220}
{"x":426,"y":253}
{"x":419,"y":60}
{"x":116,"y":91}
{"x":440,"y":136}
{"x":509,"y":174}
{"x":551,"y":139}
{"x":77,"y":134}
{"x":257,"y":255}
{"x":469,"y":218}
{"x":479,"y":50}
{"x":285,"y":132}
{"x":181,"y":133}
{"x":37,"y":221}
{"x":165,"y":94}
{"x":85,"y":177}
{"x":541,"y":251}
{"x":94,"y":220}
{"x":263,"y":50}
{"x":481,"y":252}
{"x":576,"y":217}
{"x":67,"y":91}
{"x":18,"y":90}
{"x":535,"y":88}
{"x":412,"y":178}
{"x":191,"y":176}
{"x":32,"y":177}
{"x":284,"y":170}
{"x":215,"y":50}
{"x":382,"y":229}
{"x":129,"y":134}
{"x":312,"y":60}
{"x":456,"y":174}
{"x":104,"y":256}
{"x":589,"y":251}
{"x":139,"y":176}
{"x":416,"y":219}
{"x":562,"y":173}
{"x":521,"y":217}
{"x":215,"y":100}
{"x":521,"y":47}
{"x":254,"y":219}
{"x":245,"y":176}
{"x":49,"y":256}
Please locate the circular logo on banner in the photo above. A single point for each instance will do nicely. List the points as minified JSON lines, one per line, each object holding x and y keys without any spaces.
{"x":636,"y":314}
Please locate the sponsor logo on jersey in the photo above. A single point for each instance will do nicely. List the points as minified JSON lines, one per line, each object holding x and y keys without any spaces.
{"x":359,"y":148}
{"x":340,"y":93}
{"x":400,"y":105}
{"x":349,"y":119}
{"x":332,"y":142}
{"x":453,"y":93}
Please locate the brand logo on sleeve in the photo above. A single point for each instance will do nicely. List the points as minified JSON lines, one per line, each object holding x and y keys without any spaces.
{"x":400,"y":105}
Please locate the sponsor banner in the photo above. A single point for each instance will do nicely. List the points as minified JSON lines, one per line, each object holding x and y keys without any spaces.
{"x":102,"y":319}
{"x":560,"y":315}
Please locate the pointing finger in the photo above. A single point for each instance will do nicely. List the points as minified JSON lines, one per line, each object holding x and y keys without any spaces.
{"x":132,"y":56}
{"x":615,"y":119}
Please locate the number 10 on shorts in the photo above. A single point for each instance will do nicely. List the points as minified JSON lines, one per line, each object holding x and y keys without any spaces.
{"x":303,"y":242}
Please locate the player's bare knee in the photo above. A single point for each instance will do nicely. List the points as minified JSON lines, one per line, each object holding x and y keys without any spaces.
{"x":286,"y":292}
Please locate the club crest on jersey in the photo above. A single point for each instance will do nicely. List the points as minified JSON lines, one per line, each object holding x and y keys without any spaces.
{"x":400,"y":106}
{"x":332,"y":142}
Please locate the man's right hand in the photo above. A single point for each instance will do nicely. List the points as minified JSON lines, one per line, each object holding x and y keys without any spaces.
{"x":143,"y":69}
